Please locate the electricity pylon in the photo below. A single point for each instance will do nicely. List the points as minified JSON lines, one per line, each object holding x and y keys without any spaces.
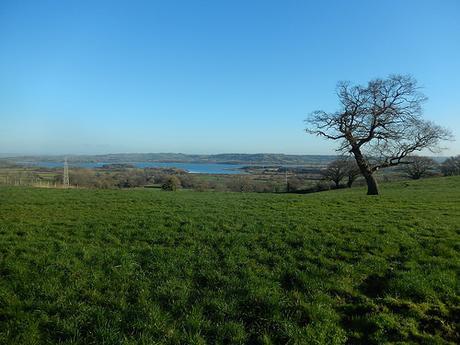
{"x":66,"y":181}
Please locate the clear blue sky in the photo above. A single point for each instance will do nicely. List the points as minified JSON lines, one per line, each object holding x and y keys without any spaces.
{"x":209,"y":76}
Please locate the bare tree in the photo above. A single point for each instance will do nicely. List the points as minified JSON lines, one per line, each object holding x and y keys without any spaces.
{"x":451,"y":166}
{"x":335,"y":171}
{"x":419,"y":167}
{"x":339,"y":169}
{"x":380,"y":124}
{"x":352,"y":172}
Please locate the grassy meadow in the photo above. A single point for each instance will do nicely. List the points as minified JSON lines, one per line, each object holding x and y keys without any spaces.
{"x":144,"y":266}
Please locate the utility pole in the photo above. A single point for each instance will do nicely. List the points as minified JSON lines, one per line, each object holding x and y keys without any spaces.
{"x":286,"y":180}
{"x":66,"y":181}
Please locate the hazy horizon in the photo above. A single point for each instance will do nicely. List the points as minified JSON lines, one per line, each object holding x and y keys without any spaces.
{"x":98,"y":77}
{"x":14,"y":155}
{"x":37,"y":153}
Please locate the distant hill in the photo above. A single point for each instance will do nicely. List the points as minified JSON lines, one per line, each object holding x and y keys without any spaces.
{"x":229,"y":158}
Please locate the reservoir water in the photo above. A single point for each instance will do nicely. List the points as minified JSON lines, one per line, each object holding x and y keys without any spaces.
{"x":196,"y":168}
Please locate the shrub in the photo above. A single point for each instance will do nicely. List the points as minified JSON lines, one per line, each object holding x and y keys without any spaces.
{"x":240,"y":184}
{"x":171,"y":184}
{"x":294,"y":184}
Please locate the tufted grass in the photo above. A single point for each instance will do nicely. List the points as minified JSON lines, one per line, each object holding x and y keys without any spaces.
{"x":152,"y":267}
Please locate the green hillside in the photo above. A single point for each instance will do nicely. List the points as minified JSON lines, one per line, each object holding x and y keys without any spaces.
{"x":153,"y":267}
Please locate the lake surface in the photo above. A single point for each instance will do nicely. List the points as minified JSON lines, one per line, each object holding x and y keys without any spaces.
{"x":194,"y":168}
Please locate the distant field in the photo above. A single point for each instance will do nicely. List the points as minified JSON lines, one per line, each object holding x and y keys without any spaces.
{"x":145,"y":266}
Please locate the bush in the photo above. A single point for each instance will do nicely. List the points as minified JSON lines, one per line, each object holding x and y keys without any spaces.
{"x":201,"y":186}
{"x":171,"y":184}
{"x":294,"y":184}
{"x":266,"y":187}
{"x":318,"y":187}
{"x":186,"y":180}
{"x":240,"y":184}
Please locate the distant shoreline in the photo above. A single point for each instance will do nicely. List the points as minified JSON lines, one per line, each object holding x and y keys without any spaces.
{"x":226,"y":158}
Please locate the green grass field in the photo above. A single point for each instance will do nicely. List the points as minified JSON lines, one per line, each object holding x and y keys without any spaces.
{"x":153,"y":267}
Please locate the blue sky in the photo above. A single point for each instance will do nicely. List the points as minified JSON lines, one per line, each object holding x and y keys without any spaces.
{"x":209,"y":76}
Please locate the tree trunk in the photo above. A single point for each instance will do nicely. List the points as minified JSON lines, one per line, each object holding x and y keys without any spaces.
{"x":349,"y":183}
{"x":366,"y":171}
{"x":372,"y":186}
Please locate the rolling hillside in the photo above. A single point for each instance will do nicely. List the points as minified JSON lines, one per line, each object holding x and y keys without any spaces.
{"x":152,"y":267}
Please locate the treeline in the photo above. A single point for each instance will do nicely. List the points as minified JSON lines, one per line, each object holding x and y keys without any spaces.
{"x":343,"y":172}
{"x":170,"y":179}
{"x":340,"y":173}
{"x":165,"y":178}
{"x":417,"y":167}
{"x":173,"y":179}
{"x":118,"y":177}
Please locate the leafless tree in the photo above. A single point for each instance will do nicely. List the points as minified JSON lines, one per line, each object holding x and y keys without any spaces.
{"x":335,"y":171}
{"x":451,"y":166}
{"x":339,"y":169}
{"x":352,"y":172}
{"x":419,"y":167}
{"x":380,"y":124}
